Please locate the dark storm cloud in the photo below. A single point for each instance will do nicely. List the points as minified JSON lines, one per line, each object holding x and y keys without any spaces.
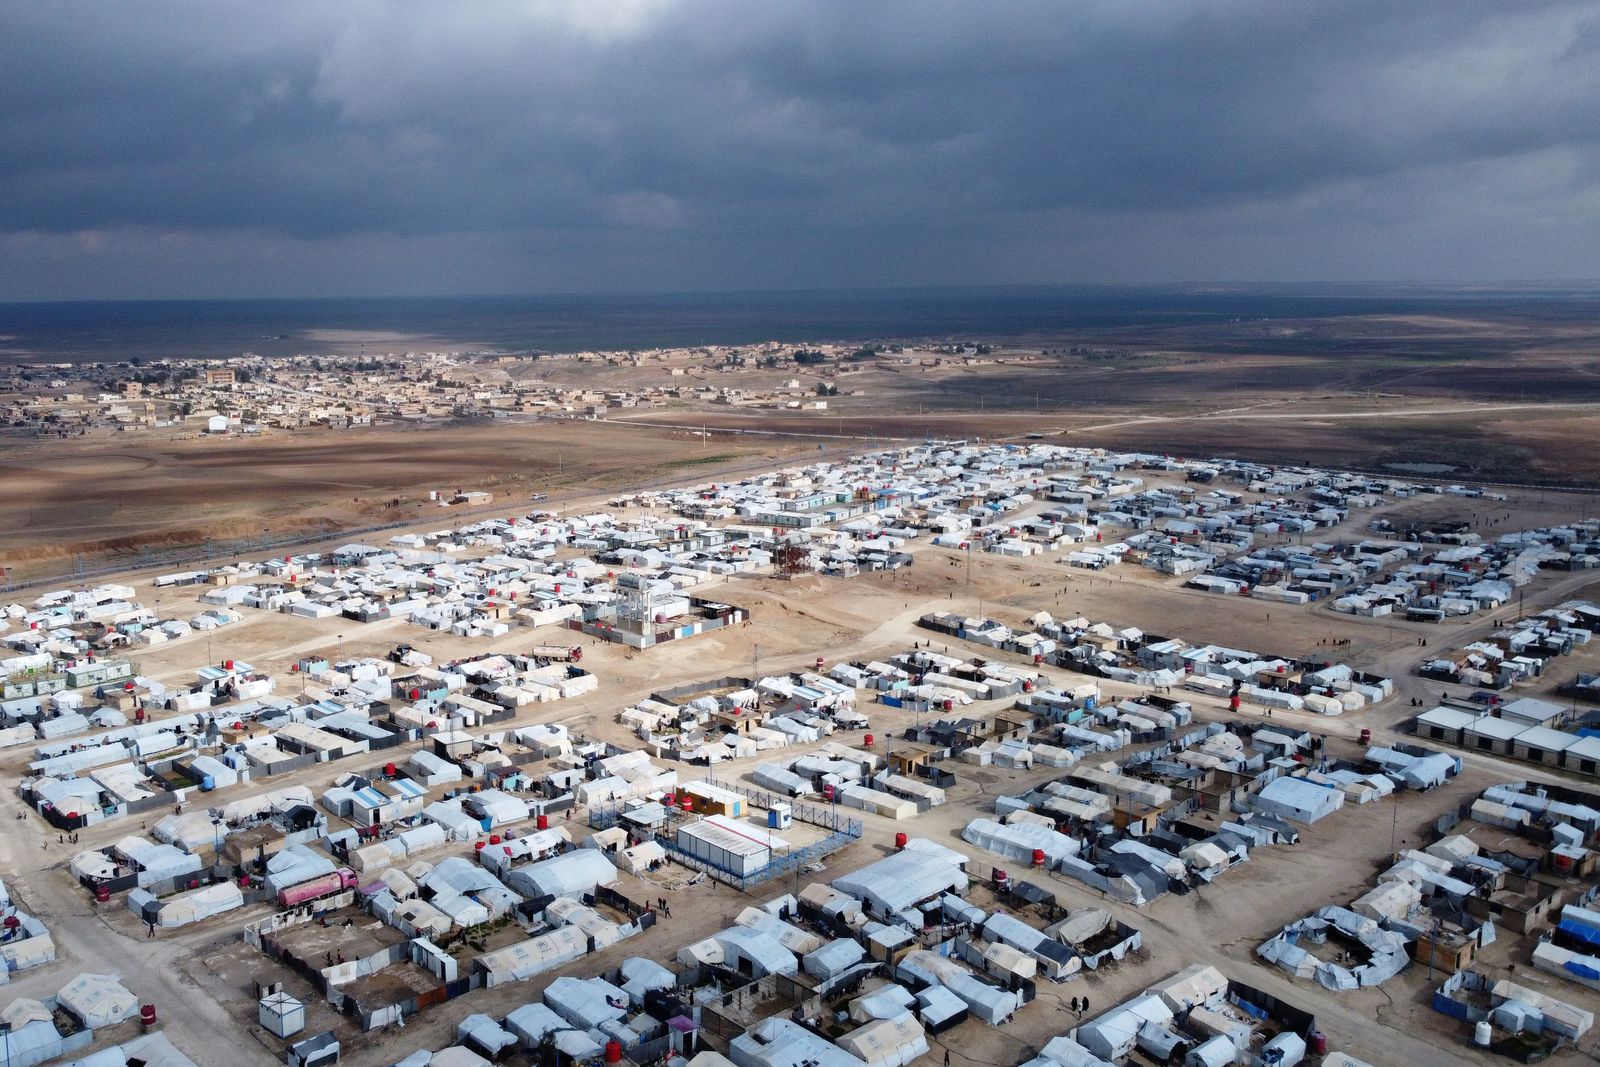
{"x":661,"y":143}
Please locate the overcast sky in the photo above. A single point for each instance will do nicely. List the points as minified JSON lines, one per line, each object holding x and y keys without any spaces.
{"x":216,"y":149}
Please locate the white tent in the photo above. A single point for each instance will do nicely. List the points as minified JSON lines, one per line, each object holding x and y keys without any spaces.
{"x":902,"y":880}
{"x":97,"y":1000}
{"x":570,"y":874}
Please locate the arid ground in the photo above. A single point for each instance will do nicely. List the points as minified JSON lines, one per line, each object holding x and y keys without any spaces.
{"x":1513,"y":400}
{"x":100,"y":498}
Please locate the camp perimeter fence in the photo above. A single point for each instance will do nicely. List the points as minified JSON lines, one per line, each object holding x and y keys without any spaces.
{"x":210,"y":551}
{"x":221,"y":550}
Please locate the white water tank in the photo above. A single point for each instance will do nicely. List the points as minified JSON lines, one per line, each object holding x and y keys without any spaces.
{"x":1482,"y":1033}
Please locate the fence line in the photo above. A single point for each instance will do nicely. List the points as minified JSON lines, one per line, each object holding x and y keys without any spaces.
{"x":229,"y":549}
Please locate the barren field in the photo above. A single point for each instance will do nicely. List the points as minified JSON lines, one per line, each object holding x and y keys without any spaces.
{"x":104,"y":498}
{"x":1512,"y":400}
{"x":1514,"y":443}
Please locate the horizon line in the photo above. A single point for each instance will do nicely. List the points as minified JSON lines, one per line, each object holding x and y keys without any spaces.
{"x":1502,"y":286}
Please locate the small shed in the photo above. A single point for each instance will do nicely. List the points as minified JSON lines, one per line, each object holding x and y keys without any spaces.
{"x":281,"y":1014}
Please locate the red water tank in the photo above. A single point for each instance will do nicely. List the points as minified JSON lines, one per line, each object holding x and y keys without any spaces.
{"x":102,"y":893}
{"x":900,"y":840}
{"x":147,"y":1015}
{"x":1038,"y":857}
{"x":999,"y":877}
{"x":542,"y":822}
{"x":1319,"y":1043}
{"x":415,"y":694}
{"x":867,"y":741}
{"x":686,"y":802}
{"x":494,"y":839}
{"x":390,"y":770}
{"x":1366,"y":737}
{"x":827,"y":792}
{"x":613,"y":1051}
{"x":227,"y":665}
{"x":477,"y":846}
{"x":1038,"y":658}
{"x":820,"y":662}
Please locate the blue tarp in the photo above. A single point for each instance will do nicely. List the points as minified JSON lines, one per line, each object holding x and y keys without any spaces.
{"x":1582,"y":970}
{"x":1587,"y":934}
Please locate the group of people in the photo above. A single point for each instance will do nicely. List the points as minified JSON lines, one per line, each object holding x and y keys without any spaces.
{"x":663,"y":907}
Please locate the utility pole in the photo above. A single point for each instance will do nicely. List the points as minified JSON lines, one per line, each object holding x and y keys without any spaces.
{"x":1394,"y":826}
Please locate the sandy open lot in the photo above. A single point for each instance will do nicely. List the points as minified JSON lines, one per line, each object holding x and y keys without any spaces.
{"x":102,"y":499}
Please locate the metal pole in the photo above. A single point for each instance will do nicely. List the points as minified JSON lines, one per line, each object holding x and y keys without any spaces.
{"x":1394,"y":828}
